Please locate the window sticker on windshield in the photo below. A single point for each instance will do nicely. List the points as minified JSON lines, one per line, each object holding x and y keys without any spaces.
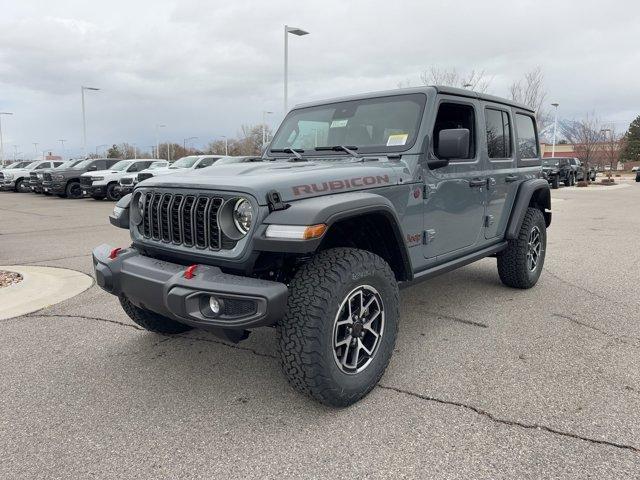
{"x":339,"y":123}
{"x":398,"y":139}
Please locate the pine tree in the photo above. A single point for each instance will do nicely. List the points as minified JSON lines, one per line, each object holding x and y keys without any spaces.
{"x":631,"y":149}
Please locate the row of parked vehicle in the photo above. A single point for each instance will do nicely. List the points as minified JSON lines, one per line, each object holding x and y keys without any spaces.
{"x":99,"y":178}
{"x":567,"y":170}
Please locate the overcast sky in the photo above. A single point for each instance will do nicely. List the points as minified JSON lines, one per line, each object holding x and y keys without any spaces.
{"x":203,"y":68}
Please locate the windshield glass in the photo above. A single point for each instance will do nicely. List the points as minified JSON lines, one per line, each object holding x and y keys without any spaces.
{"x":224,"y":160}
{"x":32,"y":165}
{"x":18,"y":165}
{"x":82,"y":164}
{"x":156,"y":165}
{"x":121,"y":165}
{"x":184,"y":162}
{"x":68,"y":164}
{"x":384,"y":124}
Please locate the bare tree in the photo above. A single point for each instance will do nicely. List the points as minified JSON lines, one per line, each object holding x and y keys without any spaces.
{"x":611,"y":146}
{"x":476,"y":80}
{"x":586,"y":137}
{"x":531,"y":92}
{"x":248,"y":142}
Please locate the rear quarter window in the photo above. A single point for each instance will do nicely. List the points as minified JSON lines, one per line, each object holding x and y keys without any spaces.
{"x":527,"y":144}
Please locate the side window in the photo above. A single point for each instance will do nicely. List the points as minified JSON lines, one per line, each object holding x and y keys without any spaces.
{"x":206,"y":162}
{"x":527,"y":140}
{"x":456,"y":115}
{"x":57,"y":164}
{"x":42,"y":165}
{"x":498,"y":133}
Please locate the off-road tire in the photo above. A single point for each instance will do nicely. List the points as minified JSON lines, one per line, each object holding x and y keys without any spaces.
{"x":152,"y":321}
{"x":71,"y":192}
{"x":306,"y":335}
{"x":555,"y":182}
{"x":512,"y":262}
{"x":567,"y":181}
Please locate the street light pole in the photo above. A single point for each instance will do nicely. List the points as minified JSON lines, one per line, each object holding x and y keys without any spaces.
{"x":62,"y":143}
{"x":555,"y":128}
{"x":15,"y":152}
{"x":84,"y":120}
{"x":226,"y":145}
{"x":264,"y":126}
{"x":158,"y":126}
{"x":36,"y":147}
{"x":298,"y":32}
{"x":1,"y":140}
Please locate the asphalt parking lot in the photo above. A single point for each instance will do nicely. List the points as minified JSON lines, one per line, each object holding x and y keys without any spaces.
{"x":486,"y":382}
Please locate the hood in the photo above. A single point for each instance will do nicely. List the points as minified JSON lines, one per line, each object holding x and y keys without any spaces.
{"x":293,"y":180}
{"x":67,"y":172}
{"x":100,"y":172}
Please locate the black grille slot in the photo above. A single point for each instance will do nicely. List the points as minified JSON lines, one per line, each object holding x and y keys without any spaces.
{"x":86,"y":181}
{"x":176,"y":224}
{"x":47,"y":177}
{"x":214,"y":228}
{"x":165,"y":233}
{"x":33,"y":175}
{"x":200,"y":218}
{"x":1,"y":176}
{"x":188,"y":220}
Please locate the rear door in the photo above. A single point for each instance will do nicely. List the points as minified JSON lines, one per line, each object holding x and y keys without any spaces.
{"x":499,"y":161}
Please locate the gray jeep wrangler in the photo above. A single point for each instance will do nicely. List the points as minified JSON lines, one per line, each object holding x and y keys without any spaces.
{"x":354,"y":198}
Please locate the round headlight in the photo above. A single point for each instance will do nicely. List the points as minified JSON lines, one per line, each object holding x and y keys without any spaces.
{"x":137,"y":208}
{"x":243,"y":215}
{"x":141,"y":204}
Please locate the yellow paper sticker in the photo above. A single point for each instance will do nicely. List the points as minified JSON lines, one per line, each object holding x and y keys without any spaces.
{"x":397,"y":139}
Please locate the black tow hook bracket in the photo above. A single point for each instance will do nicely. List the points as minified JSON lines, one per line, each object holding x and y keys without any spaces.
{"x":274,"y":200}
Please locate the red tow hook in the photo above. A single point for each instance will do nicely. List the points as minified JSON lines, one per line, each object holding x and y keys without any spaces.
{"x":114,"y":253}
{"x":189,"y":273}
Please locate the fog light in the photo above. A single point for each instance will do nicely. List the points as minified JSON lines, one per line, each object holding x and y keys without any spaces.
{"x":214,"y":305}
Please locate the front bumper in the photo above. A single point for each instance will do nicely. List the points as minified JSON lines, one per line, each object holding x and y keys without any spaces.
{"x":123,"y":190}
{"x":94,"y":190}
{"x":8,"y":185}
{"x":161,"y":287}
{"x":35,"y":186}
{"x":55,"y":187}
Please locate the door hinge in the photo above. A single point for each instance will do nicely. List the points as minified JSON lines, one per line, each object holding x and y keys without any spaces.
{"x":274,"y":200}
{"x":428,"y":236}
{"x":488,"y":220}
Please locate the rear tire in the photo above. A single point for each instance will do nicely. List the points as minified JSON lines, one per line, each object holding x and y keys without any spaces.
{"x":520,"y":264}
{"x":111,"y":192}
{"x":330,"y":347}
{"x":555,"y":182}
{"x":152,"y":321}
{"x":567,"y":181}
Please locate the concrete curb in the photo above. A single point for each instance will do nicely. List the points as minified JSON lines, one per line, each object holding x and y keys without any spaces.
{"x":40,"y":287}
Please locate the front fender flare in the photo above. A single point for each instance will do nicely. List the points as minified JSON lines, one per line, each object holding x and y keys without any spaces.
{"x":329,"y":209}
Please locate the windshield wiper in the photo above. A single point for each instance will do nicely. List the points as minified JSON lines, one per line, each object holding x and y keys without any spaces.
{"x":341,"y":148}
{"x":295,"y":151}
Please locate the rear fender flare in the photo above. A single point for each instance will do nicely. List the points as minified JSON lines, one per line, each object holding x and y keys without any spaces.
{"x":536,"y":188}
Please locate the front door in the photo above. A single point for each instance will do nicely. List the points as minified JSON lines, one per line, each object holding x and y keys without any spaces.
{"x":455,"y":194}
{"x":502,"y":174}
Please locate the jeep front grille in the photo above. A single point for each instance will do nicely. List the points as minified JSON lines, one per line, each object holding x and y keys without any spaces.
{"x":188,"y":220}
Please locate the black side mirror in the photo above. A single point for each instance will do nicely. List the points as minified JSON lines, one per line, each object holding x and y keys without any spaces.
{"x":453,"y":143}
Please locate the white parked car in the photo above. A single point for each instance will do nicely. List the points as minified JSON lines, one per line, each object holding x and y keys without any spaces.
{"x":17,"y":178}
{"x":128,"y":182}
{"x":192,"y":162}
{"x":102,"y":183}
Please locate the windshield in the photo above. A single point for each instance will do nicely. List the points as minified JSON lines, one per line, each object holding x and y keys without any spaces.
{"x":224,"y":160}
{"x":82,"y":164}
{"x":121,"y":165}
{"x":67,"y":164}
{"x":32,"y":165}
{"x":383,"y":124}
{"x":18,"y":165}
{"x":156,"y":165}
{"x":184,"y":162}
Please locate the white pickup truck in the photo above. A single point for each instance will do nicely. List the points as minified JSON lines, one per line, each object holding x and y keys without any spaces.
{"x":191,"y":162}
{"x":102,"y":183}
{"x":17,"y":179}
{"x":128,"y":182}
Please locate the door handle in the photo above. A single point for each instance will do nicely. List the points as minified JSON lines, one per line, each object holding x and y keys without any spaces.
{"x":511,"y":178}
{"x":477,"y":182}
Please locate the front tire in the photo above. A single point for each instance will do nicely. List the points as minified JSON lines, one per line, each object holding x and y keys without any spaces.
{"x":555,"y":182}
{"x":73,"y":190}
{"x":520,"y":264}
{"x":111,"y":192}
{"x":339,"y":331}
{"x":22,"y":186}
{"x":152,"y":321}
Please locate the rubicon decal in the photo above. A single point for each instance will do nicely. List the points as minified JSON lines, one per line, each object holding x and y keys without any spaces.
{"x":338,"y":185}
